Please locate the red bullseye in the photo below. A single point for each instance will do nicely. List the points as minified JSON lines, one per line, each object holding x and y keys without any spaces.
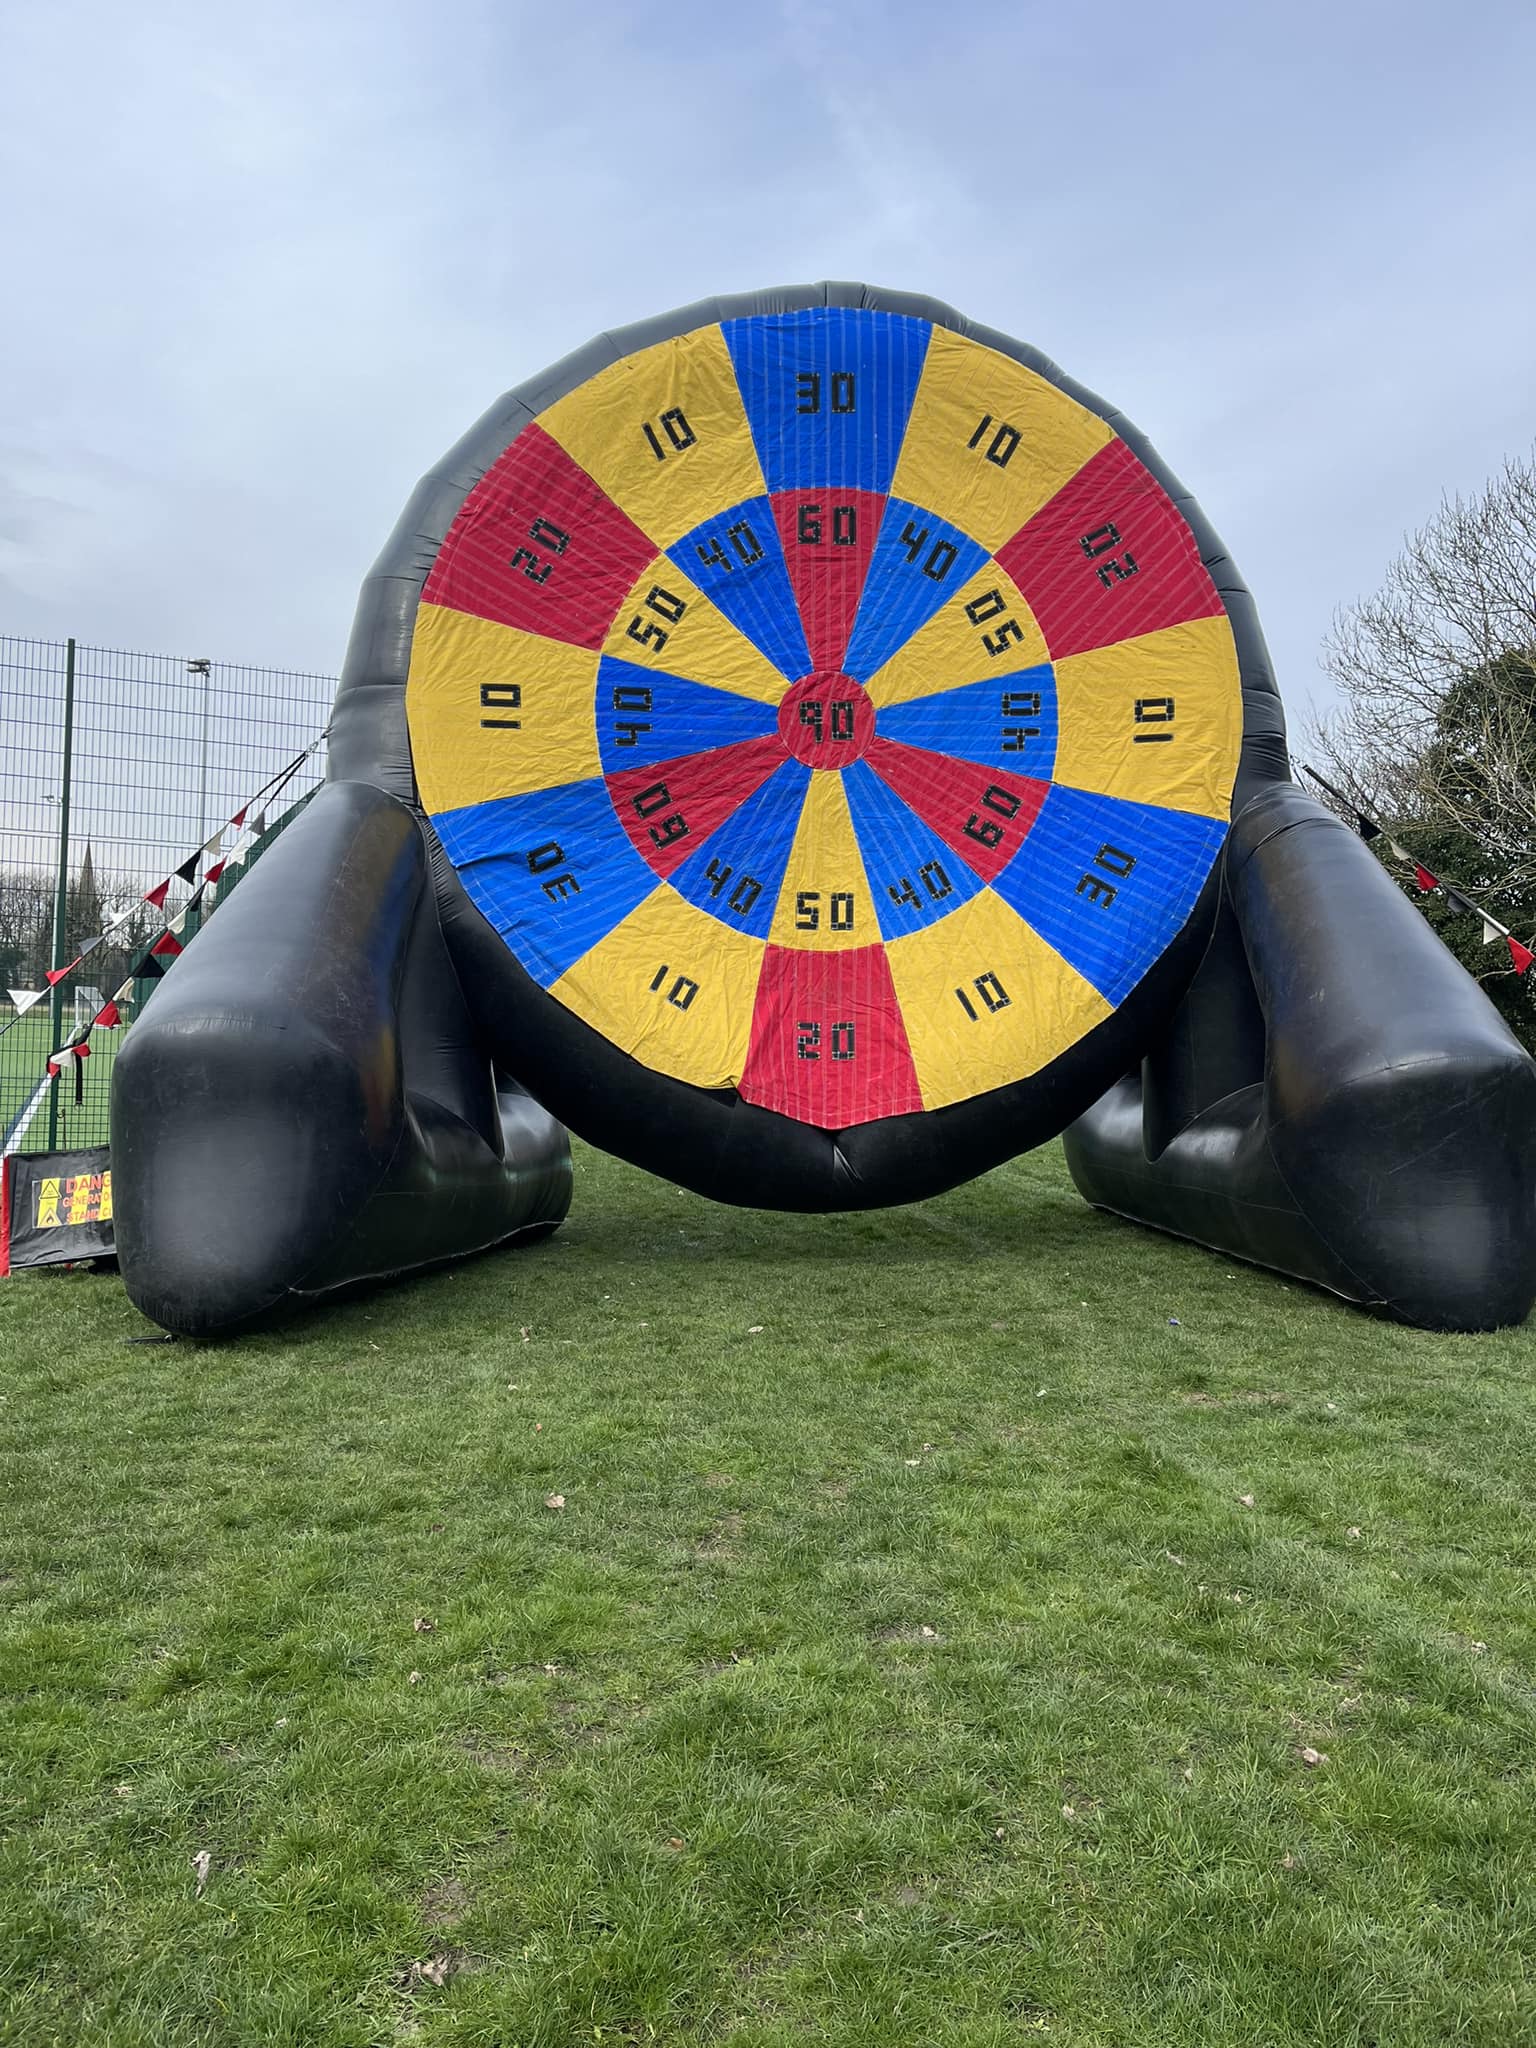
{"x":826,"y":720}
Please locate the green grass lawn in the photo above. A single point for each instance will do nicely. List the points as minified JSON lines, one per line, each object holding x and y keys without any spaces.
{"x":928,"y":1651}
{"x":24,"y":1051}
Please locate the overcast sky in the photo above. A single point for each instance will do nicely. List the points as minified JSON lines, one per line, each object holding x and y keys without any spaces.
{"x":264,"y":264}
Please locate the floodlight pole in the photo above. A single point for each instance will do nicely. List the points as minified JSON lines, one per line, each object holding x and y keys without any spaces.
{"x":61,"y":887}
{"x":203,"y":668}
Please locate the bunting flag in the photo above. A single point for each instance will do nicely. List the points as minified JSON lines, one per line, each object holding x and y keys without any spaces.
{"x":1456,"y":899}
{"x":151,"y":963}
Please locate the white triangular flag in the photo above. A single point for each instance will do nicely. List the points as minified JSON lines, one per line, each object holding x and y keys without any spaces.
{"x":211,"y":847}
{"x":1399,"y":852}
{"x":1492,"y":933}
{"x":24,"y":999}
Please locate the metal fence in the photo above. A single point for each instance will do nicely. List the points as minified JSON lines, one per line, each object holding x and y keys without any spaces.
{"x":116,"y":768}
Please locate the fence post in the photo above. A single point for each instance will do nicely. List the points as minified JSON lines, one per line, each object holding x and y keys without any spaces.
{"x":61,"y":887}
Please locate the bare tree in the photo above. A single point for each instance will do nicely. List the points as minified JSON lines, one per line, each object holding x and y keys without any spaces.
{"x":1436,"y":671}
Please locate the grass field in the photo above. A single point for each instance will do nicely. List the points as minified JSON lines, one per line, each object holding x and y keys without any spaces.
{"x":24,"y":1051}
{"x":935,"y":1646}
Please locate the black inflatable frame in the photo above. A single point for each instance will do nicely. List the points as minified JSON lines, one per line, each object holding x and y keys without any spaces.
{"x":354,"y":1060}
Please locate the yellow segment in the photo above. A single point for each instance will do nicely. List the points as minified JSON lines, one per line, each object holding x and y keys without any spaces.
{"x":825,"y":904}
{"x":1190,"y":670}
{"x":952,"y":649}
{"x":962,"y":384}
{"x":1039,"y":1006}
{"x":634,"y":987}
{"x":465,"y":671}
{"x":682,"y":390}
{"x":105,"y":1211}
{"x":667,"y":623}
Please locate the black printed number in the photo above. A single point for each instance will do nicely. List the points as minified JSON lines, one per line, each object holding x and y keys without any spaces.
{"x":670,"y":828}
{"x":548,"y":535}
{"x":808,"y":910}
{"x":839,"y":388}
{"x":665,"y":606}
{"x":1157,"y":711}
{"x":994,"y":996}
{"x":808,"y":1040}
{"x":1019,"y":704}
{"x":1002,"y":444}
{"x":501,"y":697}
{"x":934,"y":880}
{"x":989,"y":831}
{"x":987,"y":606}
{"x":1113,"y":862}
{"x":940,"y":558}
{"x":844,"y":523}
{"x":1114,"y":568}
{"x":541,"y":860}
{"x":745,"y":546}
{"x":745,"y":893}
{"x":678,"y":434}
{"x":682,"y":992}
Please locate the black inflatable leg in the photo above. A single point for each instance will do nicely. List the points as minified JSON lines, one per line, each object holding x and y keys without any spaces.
{"x":1336,"y":1098}
{"x":306,"y":1103}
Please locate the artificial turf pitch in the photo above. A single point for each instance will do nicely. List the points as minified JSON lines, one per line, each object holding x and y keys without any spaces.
{"x":930,"y":1649}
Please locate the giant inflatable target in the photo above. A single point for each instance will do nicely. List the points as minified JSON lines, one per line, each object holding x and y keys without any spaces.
{"x":824,"y":706}
{"x":808,"y":746}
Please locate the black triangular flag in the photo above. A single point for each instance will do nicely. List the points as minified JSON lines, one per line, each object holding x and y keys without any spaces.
{"x":146,"y":968}
{"x":1369,"y":830}
{"x":1460,"y":903}
{"x":188,"y":867}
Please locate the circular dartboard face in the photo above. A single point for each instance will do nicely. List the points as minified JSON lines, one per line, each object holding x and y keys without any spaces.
{"x":824,"y":705}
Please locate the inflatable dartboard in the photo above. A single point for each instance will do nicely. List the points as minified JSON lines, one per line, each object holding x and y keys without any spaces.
{"x":825,"y":711}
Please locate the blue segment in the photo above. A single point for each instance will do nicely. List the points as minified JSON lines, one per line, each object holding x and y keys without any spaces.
{"x":1077,"y":852}
{"x":754,"y":845}
{"x":913,"y":876}
{"x":735,"y":559}
{"x":554,"y":872}
{"x":919,"y":561}
{"x":643,"y":717}
{"x":1002,"y":722}
{"x":828,"y":392}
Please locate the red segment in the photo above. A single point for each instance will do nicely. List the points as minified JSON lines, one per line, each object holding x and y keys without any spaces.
{"x":828,"y":537}
{"x":828,"y":1044}
{"x":827,"y":720}
{"x":985,"y":814}
{"x":538,"y":546}
{"x":668,"y":810}
{"x":1110,"y":557}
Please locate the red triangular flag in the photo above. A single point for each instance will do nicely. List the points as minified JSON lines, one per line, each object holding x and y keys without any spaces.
{"x":56,"y":974}
{"x":1424,"y":878}
{"x":157,"y":894}
{"x":239,"y":818}
{"x":167,"y":946}
{"x":1521,"y":955}
{"x":108,"y":1017}
{"x":216,"y":870}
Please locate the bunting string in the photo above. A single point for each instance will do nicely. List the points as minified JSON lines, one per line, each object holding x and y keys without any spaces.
{"x":248,"y":825}
{"x":1455,"y":899}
